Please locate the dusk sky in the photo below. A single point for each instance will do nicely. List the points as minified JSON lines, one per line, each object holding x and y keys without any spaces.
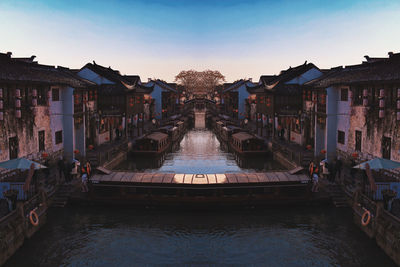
{"x":159,"y":38}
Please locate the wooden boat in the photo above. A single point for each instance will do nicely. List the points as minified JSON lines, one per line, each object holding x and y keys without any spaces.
{"x":181,"y":127}
{"x":152,"y":144}
{"x":246,"y":144}
{"x":227,"y":131}
{"x":199,"y":190}
{"x":172,"y":132}
{"x":218,"y":127}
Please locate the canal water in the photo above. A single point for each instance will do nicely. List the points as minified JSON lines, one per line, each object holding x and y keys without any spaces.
{"x":124,"y":236}
{"x":112,"y":236}
{"x":200,"y":151}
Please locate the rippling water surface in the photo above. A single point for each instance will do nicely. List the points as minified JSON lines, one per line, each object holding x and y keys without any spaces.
{"x":200,"y":152}
{"x":94,"y":236}
{"x":116,"y":236}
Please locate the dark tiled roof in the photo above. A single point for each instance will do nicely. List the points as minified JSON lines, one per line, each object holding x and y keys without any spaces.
{"x":289,"y":74}
{"x":258,"y":88}
{"x":111,"y":74}
{"x":236,"y":85}
{"x":387,"y":70}
{"x":165,"y":85}
{"x":265,"y":79}
{"x":133,"y":79}
{"x":17,"y":70}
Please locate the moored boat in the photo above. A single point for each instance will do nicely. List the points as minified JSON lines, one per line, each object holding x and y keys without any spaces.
{"x":152,"y":144}
{"x":246,"y":144}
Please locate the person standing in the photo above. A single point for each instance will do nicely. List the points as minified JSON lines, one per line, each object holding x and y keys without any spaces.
{"x":61,"y":169}
{"x":67,"y":171}
{"x":339,"y":168}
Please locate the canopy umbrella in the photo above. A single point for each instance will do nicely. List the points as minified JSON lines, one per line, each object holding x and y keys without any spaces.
{"x":379,"y":163}
{"x":21,"y":164}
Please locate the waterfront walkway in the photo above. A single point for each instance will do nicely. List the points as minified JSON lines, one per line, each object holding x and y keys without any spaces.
{"x":201,"y":179}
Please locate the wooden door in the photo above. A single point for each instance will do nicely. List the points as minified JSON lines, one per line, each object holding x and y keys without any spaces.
{"x":41,"y":141}
{"x":13,"y":147}
{"x":386,"y":147}
{"x":358,"y":140}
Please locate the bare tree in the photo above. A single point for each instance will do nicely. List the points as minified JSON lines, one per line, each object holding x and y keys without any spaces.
{"x":199,"y":82}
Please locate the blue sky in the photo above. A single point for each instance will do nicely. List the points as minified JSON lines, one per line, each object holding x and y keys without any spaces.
{"x":158,"y":38}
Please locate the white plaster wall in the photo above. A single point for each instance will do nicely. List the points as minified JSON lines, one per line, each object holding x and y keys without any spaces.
{"x":243,"y":94}
{"x":68,"y":122}
{"x":56,"y":118}
{"x":331,"y":123}
{"x":343,"y":118}
{"x":156,"y":94}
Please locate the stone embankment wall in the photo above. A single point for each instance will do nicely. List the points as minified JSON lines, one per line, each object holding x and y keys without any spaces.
{"x":383,"y":227}
{"x":15,"y":227}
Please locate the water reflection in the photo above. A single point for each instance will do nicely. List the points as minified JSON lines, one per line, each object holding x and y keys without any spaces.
{"x":94,"y":236}
{"x":200,"y":152}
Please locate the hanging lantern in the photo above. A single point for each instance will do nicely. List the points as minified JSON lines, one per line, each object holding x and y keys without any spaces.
{"x":381,"y":103}
{"x":1,"y":92}
{"x":1,"y":104}
{"x":18,"y":113}
{"x":34,"y":93}
{"x":381,"y":113}
{"x":382,"y":93}
{"x":76,"y":151}
{"x":34,"y":102}
{"x":18,"y":103}
{"x":90,"y":147}
{"x":309,"y":147}
{"x":45,"y":155}
{"x":323,"y":151}
{"x":354,"y":155}
{"x":17,"y":93}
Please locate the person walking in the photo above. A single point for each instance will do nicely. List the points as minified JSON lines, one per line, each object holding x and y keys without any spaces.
{"x":84,"y":183}
{"x":61,"y":169}
{"x":315,"y":183}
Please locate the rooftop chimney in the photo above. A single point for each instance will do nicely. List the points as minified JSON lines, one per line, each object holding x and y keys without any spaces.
{"x":367,"y":58}
{"x":9,"y":54}
{"x":33,"y":57}
{"x":390,"y":54}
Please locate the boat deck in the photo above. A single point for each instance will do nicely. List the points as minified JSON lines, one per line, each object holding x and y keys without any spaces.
{"x":227,"y":179}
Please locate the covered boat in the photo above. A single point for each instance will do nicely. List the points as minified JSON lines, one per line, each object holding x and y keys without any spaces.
{"x":247,"y":144}
{"x":152,"y":144}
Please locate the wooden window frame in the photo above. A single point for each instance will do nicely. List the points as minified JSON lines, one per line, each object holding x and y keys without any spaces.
{"x":57,"y":137}
{"x":341,"y":139}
